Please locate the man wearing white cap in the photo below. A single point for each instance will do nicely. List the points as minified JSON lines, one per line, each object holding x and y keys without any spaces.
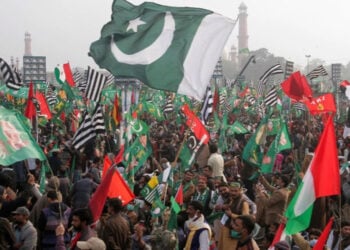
{"x":93,"y":243}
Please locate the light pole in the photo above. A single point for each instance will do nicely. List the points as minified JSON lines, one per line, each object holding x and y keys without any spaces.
{"x":307,"y":66}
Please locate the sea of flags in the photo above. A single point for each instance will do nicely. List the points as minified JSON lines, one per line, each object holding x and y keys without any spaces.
{"x":59,"y":101}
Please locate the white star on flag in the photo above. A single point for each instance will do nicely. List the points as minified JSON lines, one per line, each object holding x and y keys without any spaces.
{"x":134,"y":24}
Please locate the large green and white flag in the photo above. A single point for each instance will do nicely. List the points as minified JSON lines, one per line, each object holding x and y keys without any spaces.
{"x":169,"y":48}
{"x":16,"y":142}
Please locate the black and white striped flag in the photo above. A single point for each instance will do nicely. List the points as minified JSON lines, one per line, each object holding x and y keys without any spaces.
{"x":299,"y":106}
{"x":251,"y":99}
{"x":316,"y":72}
{"x":274,"y":70}
{"x":89,"y":128}
{"x":169,"y":106}
{"x":80,"y":80}
{"x":271,"y":97}
{"x":207,"y":107}
{"x":11,"y":76}
{"x":289,"y":69}
{"x":51,"y":96}
{"x":94,"y":84}
{"x":110,"y":79}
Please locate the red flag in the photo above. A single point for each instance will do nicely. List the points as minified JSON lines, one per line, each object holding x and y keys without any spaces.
{"x":179,"y":197}
{"x":278,"y":236}
{"x":107,"y":163}
{"x":112,"y":185}
{"x":296,"y":87}
{"x":44,"y":108}
{"x":119,"y":157}
{"x":196,"y":126}
{"x":345,"y":87}
{"x":244,"y":92}
{"x":68,"y":74}
{"x":321,"y":104}
{"x":30,"y":111}
{"x":321,"y":242}
{"x":116,"y":111}
{"x":325,"y":164}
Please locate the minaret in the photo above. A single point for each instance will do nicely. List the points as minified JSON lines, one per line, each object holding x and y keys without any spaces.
{"x":242,"y":33}
{"x":27,"y":44}
{"x":17,"y":63}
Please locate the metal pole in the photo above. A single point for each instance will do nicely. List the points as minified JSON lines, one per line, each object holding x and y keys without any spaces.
{"x":243,"y":69}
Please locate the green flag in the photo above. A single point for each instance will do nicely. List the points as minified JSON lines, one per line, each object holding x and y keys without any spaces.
{"x":16,"y":141}
{"x":163,"y":46}
{"x":252,"y":152}
{"x":284,"y":139}
{"x":236,"y":128}
{"x":297,"y":223}
{"x":153,"y":110}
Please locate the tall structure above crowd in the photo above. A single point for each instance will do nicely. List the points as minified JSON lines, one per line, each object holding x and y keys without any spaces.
{"x":242,"y":33}
{"x":27,"y":44}
{"x":34,"y":67}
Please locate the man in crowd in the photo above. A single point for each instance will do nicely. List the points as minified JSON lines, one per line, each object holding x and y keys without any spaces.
{"x":24,"y":231}
{"x":116,"y":230}
{"x":81,"y":220}
{"x":199,"y":232}
{"x":216,"y":161}
{"x":242,"y":228}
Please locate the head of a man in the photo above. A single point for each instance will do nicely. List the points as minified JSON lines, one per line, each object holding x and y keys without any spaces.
{"x":236,"y":190}
{"x":81,"y":218}
{"x":115,"y":206}
{"x":194,"y":209}
{"x":21,"y":215}
{"x":345,"y":228}
{"x":243,"y":226}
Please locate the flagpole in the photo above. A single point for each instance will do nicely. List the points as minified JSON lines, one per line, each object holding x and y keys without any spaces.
{"x":252,"y":58}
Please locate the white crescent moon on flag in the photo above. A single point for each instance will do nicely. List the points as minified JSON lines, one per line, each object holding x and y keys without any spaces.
{"x":154,"y":51}
{"x":135,"y":128}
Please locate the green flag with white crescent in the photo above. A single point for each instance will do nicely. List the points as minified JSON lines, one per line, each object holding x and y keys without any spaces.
{"x":168,"y":48}
{"x":16,"y":141}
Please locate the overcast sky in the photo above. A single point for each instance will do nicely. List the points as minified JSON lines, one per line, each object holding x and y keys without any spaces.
{"x":63,"y":30}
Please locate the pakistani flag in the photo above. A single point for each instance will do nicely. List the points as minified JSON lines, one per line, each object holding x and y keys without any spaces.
{"x":16,"y":141}
{"x":237,"y":128}
{"x":168,"y":48}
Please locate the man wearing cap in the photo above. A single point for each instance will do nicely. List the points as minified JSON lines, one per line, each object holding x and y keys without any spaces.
{"x":25,"y":232}
{"x":237,"y":206}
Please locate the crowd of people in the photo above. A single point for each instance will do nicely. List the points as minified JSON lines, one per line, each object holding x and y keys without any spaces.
{"x":227,"y":204}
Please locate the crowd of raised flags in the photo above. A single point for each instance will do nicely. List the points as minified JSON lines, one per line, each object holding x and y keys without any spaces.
{"x":181,"y":78}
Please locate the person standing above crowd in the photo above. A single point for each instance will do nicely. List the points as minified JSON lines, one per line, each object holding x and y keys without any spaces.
{"x":274,"y":201}
{"x":216,"y":161}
